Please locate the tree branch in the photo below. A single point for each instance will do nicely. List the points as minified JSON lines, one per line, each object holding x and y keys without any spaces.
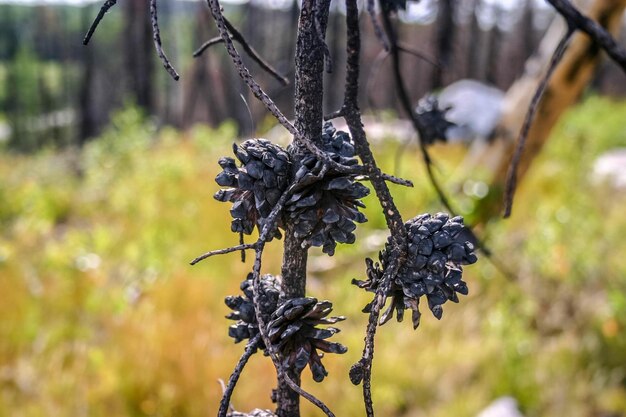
{"x":156,"y":36}
{"x":596,"y":32}
{"x":251,"y":349}
{"x":244,"y":73}
{"x":103,"y":9}
{"x":511,"y":178}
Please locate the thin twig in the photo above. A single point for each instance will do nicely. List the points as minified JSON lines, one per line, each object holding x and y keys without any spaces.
{"x":156,"y":36}
{"x":371,"y":9}
{"x":251,"y":349}
{"x":372,"y":324}
{"x":237,"y":36}
{"x":223,"y":252}
{"x":105,"y":8}
{"x":399,"y":181}
{"x":511,"y":177}
{"x":596,"y":32}
{"x":406,"y":105}
{"x":207,"y":45}
{"x":412,"y":51}
{"x":398,"y":246}
{"x":244,"y":73}
{"x":334,"y":115}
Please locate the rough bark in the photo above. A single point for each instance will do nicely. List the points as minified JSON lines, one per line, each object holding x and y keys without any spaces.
{"x":309,"y":62}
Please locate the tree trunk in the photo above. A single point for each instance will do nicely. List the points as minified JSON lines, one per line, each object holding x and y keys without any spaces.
{"x":309,"y":114}
{"x":566,"y":85}
{"x":138,"y":51}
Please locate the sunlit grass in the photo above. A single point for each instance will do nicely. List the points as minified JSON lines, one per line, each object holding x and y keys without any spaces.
{"x":101,"y":315}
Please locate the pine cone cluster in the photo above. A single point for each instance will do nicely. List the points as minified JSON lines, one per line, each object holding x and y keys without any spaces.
{"x":246,"y":326}
{"x":433,"y":119}
{"x":256,"y":186}
{"x":434,"y":267}
{"x":293,"y":332}
{"x":325,"y":207}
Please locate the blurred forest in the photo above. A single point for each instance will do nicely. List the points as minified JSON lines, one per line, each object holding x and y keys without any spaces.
{"x":106,"y":184}
{"x":54,"y":91}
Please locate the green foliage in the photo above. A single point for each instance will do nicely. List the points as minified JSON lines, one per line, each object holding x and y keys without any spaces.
{"x":101,"y":312}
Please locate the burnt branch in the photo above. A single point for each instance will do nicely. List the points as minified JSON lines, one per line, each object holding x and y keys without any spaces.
{"x":237,"y":36}
{"x":241,"y":247}
{"x":250,"y":350}
{"x":406,"y":105}
{"x":105,"y":8}
{"x":398,"y":181}
{"x":378,"y":31}
{"x":578,"y":21}
{"x":156,"y":36}
{"x":417,"y":54}
{"x":391,"y":212}
{"x":207,"y":45}
{"x":511,"y":178}
{"x":244,"y":73}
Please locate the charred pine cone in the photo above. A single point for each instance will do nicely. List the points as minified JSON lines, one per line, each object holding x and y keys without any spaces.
{"x":256,"y":186}
{"x":433,"y":268}
{"x":325,"y":206}
{"x":294,"y":334}
{"x":247,"y":326}
{"x":433,"y":119}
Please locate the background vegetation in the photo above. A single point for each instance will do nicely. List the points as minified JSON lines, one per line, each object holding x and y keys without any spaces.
{"x":100,"y":314}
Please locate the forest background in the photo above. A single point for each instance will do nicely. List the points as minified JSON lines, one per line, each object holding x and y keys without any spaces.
{"x":106,"y":177}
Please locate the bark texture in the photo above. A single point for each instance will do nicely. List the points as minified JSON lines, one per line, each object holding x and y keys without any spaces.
{"x":309,"y":114}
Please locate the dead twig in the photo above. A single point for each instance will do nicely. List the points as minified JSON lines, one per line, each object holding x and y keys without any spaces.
{"x":511,"y":177}
{"x":578,"y":21}
{"x":103,"y":9}
{"x":156,"y":36}
{"x":250,"y":350}
{"x":244,"y":73}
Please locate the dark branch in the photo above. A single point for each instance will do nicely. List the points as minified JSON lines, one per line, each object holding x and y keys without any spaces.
{"x":251,"y":349}
{"x":391,"y":212}
{"x":105,"y":8}
{"x":511,"y":177}
{"x":243,"y":71}
{"x":399,"y":181}
{"x":411,"y":51}
{"x":237,"y":36}
{"x":406,"y":105}
{"x":371,"y":10}
{"x":223,"y":252}
{"x":156,"y":36}
{"x":207,"y":45}
{"x":597,"y":33}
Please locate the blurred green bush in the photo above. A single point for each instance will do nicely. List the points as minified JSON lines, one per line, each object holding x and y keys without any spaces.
{"x":101,"y":315}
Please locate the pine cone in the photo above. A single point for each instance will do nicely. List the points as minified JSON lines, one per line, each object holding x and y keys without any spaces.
{"x":436,"y":253}
{"x":433,"y":119}
{"x":247,"y":326}
{"x":293,"y":333}
{"x":325,"y":207}
{"x":255,"y":186}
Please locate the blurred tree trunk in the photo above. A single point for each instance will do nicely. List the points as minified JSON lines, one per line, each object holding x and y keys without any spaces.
{"x":568,"y":82}
{"x":138,"y":53}
{"x":445,"y":37}
{"x":87,"y":122}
